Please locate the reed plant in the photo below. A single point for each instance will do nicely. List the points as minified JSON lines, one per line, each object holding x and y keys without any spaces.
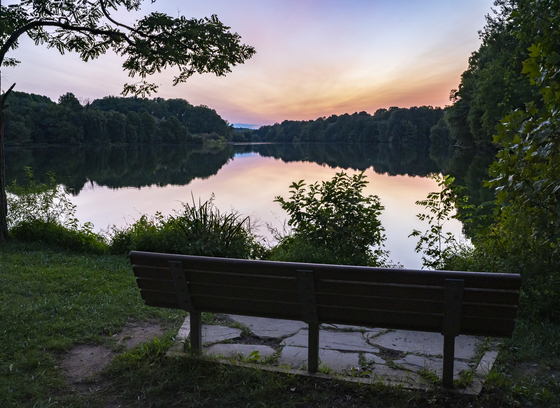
{"x":198,"y":229}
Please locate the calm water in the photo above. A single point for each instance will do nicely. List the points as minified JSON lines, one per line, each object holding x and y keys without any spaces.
{"x":115,"y":186}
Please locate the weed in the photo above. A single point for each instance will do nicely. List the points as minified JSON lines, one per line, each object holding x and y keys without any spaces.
{"x":430,"y":375}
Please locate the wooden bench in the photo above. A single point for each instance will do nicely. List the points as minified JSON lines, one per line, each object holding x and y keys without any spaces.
{"x":450,"y":303}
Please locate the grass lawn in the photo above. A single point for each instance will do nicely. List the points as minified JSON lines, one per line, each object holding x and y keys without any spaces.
{"x":52,"y":301}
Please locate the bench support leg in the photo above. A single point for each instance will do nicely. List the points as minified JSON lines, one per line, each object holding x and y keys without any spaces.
{"x":452,"y":311}
{"x":448,"y":360}
{"x":313,"y":348}
{"x":196,"y":332}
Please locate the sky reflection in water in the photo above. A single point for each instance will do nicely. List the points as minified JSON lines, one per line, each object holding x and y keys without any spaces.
{"x":248,"y":183}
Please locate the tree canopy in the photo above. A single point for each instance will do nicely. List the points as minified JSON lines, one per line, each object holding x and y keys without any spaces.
{"x":527,"y":171}
{"x":149,"y":45}
{"x":399,"y":126}
{"x":36,"y":120}
{"x":492,"y":86}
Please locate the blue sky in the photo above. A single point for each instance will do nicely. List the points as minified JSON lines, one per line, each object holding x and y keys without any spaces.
{"x":314,"y":58}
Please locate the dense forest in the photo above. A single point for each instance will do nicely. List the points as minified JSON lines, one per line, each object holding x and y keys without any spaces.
{"x":34,"y":119}
{"x":396,"y":125}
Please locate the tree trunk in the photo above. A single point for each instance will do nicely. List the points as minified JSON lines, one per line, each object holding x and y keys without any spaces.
{"x":4,"y":235}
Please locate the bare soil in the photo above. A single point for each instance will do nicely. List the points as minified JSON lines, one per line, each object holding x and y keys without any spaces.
{"x":84,"y":361}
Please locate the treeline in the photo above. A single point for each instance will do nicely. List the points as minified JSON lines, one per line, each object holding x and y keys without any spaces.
{"x":399,"y":126}
{"x":35,"y":119}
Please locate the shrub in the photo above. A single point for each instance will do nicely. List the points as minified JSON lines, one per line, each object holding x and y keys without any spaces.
{"x":43,"y":212}
{"x":196,"y":230}
{"x":436,"y":245}
{"x":47,"y":202}
{"x":333,"y":222}
{"x":53,"y":233}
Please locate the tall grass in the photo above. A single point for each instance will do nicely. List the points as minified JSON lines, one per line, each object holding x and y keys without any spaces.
{"x":196,"y":230}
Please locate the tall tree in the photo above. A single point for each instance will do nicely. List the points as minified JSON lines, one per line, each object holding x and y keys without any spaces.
{"x":151,"y":44}
{"x":526,"y":174}
{"x":493,"y":85}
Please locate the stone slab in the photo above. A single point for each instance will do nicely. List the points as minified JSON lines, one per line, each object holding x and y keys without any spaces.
{"x":393,"y":376}
{"x":210,"y":333}
{"x":424,"y":343}
{"x":373,"y":359}
{"x":269,"y":328}
{"x":235,"y":350}
{"x":342,"y":341}
{"x":487,"y":362}
{"x":296,"y":358}
{"x":185,"y":330}
{"x":417,"y":363}
{"x":216,"y":334}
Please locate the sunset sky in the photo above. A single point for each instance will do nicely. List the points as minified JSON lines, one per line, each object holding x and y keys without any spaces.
{"x":314,"y":58}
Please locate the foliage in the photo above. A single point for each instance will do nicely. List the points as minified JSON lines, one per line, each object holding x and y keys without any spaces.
{"x":47,"y":202}
{"x":43,"y":212}
{"x":493,"y":84}
{"x":153,"y":43}
{"x":197,"y":230}
{"x":34,"y":119}
{"x":333,"y":222}
{"x":436,"y":244}
{"x":396,"y":125}
{"x":527,"y":172}
{"x":55,"y":234}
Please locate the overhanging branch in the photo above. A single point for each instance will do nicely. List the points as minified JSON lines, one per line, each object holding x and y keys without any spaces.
{"x":35,"y":24}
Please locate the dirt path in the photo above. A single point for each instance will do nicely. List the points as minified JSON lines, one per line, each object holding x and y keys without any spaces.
{"x":84,"y":361}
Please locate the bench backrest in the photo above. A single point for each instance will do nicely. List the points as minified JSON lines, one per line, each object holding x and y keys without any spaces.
{"x":378,"y":297}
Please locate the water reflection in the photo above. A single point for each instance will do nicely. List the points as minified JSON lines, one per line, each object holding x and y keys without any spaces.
{"x":114,"y":186}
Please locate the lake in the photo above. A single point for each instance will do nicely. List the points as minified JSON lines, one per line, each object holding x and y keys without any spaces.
{"x":115,"y":186}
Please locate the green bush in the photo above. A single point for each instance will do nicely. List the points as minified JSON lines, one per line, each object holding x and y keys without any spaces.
{"x":333,"y":222}
{"x":54,"y":234}
{"x":196,"y":230}
{"x":43,"y":212}
{"x":33,"y":201}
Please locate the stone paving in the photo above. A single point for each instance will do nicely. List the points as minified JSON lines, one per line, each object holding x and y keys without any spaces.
{"x":396,"y":357}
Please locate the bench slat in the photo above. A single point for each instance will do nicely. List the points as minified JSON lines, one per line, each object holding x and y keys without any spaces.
{"x":380,"y":303}
{"x":338,"y":273}
{"x":478,"y":326}
{"x":505,"y":312}
{"x":155,"y":284}
{"x":151,"y":272}
{"x":413,"y":277}
{"x":259,"y":308}
{"x":488,"y":296}
{"x":269,"y":294}
{"x":380,"y":318}
{"x":239,"y":280}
